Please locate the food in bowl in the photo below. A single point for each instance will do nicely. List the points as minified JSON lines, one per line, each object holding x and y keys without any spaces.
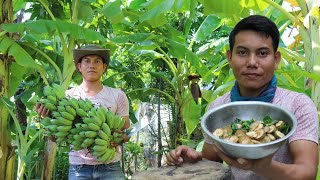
{"x":253,"y":131}
{"x":226,"y":114}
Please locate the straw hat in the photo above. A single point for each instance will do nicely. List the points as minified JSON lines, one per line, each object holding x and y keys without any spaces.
{"x":90,"y":49}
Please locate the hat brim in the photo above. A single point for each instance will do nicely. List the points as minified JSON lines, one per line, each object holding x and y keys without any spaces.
{"x":80,"y":53}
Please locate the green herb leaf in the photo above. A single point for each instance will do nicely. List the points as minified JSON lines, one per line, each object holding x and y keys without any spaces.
{"x":237,"y":121}
{"x":285,"y":129}
{"x":267,"y":120}
{"x":234,"y":127}
{"x":246,"y":125}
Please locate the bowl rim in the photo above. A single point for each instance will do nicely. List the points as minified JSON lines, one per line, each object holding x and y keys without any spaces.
{"x":209,"y":112}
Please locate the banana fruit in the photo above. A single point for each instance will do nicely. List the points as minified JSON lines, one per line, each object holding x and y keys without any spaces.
{"x":79,"y":123}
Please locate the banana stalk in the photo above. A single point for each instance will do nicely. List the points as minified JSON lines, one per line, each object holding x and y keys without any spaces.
{"x":311,"y":37}
{"x":5,"y":140}
{"x":315,"y":58}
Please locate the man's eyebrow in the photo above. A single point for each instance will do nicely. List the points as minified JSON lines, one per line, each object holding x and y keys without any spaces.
{"x":259,"y":49}
{"x":242,"y":47}
{"x":264,"y":48}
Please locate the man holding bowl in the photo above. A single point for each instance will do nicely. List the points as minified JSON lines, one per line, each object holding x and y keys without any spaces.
{"x":253,"y":57}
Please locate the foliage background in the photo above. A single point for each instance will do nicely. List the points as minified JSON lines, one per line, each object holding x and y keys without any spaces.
{"x":155,"y":46}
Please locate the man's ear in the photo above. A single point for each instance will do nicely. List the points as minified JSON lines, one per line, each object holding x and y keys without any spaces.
{"x":105,"y":66}
{"x":229,"y":54}
{"x":79,"y":66}
{"x":229,"y":57}
{"x":277,"y":59}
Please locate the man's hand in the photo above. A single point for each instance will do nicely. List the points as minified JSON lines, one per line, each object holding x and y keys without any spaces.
{"x":183,"y":154}
{"x":245,"y":164}
{"x":41,"y":110}
{"x":123,"y":136}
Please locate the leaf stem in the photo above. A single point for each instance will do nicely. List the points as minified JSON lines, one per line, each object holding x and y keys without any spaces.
{"x":156,"y":90}
{"x":3,"y":33}
{"x":48,"y":58}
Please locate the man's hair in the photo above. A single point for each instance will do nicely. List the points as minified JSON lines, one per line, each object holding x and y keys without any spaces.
{"x":257,"y":23}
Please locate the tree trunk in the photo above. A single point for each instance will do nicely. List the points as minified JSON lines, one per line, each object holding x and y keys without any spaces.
{"x":50,"y":155}
{"x":5,"y":141}
{"x":159,"y":128}
{"x":181,"y":89}
{"x":179,"y":127}
{"x":172,"y":125}
{"x":315,"y":59}
{"x":6,"y":150}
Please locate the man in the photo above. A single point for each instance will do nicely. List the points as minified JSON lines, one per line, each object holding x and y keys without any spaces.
{"x":92,"y":61}
{"x":253,"y":57}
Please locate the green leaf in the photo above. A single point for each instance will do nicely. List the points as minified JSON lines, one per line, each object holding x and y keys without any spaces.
{"x":229,"y":7}
{"x":17,"y":73}
{"x":290,"y":55}
{"x":313,"y":76}
{"x":30,"y":155}
{"x":159,"y":74}
{"x":18,"y":5}
{"x":254,"y":4}
{"x":113,"y":11}
{"x":191,"y":114}
{"x":158,"y":10}
{"x":158,"y":21}
{"x":173,"y":34}
{"x":85,"y":12}
{"x":180,"y":51}
{"x":137,"y":37}
{"x":210,"y":24}
{"x":267,"y":120}
{"x":48,"y":26}
{"x":164,"y":76}
{"x":179,"y":4}
{"x":13,"y":49}
{"x":136,"y":4}
{"x":192,"y":8}
{"x":285,"y":129}
{"x":112,"y":8}
{"x":7,"y":102}
{"x":212,"y":95}
{"x":117,"y":19}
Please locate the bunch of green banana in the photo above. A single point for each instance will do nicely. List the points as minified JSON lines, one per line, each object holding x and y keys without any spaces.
{"x":96,"y":134}
{"x":101,"y":147}
{"x":62,"y":113}
{"x":115,"y":122}
{"x":84,"y":105}
{"x":52,"y":95}
{"x":79,"y":123}
{"x":54,"y":128}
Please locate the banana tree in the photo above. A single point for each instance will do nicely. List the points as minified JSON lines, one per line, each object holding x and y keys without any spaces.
{"x":7,"y":155}
{"x":151,"y":37}
{"x":24,"y":138}
{"x":158,"y":40}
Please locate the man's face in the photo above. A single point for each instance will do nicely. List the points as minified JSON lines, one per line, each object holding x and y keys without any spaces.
{"x":92,"y":67}
{"x":253,"y":62}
